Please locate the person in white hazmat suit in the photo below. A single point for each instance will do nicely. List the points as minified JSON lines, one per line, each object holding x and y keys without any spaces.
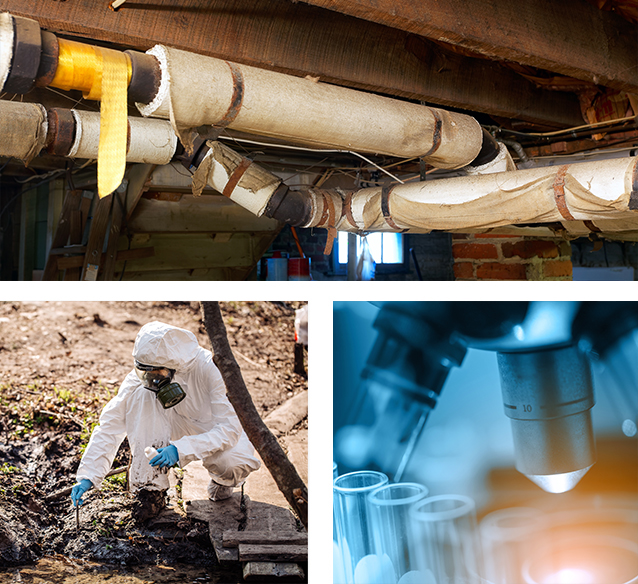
{"x":175,"y":401}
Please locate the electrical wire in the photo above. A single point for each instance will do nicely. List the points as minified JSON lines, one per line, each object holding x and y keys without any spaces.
{"x":597,"y":125}
{"x":322,"y":150}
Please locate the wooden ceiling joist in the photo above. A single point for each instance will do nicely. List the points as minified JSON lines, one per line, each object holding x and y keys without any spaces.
{"x":305,"y":40}
{"x":570,"y":37}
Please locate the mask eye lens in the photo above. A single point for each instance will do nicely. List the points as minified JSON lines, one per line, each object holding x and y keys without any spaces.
{"x":153,"y":377}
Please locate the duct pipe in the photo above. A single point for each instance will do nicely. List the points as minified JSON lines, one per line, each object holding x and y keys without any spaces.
{"x":194,"y":91}
{"x":28,"y":127}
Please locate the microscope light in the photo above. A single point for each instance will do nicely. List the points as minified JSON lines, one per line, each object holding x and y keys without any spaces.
{"x":559,"y":483}
{"x":571,"y":576}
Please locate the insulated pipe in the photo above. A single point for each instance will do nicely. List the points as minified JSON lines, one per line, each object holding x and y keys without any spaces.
{"x":196,"y":91}
{"x":585,"y":197}
{"x":26,"y":128}
{"x":23,"y":127}
{"x":31,"y":57}
{"x":602,"y":194}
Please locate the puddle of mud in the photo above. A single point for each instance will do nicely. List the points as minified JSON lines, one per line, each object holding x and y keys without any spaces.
{"x":59,"y":570}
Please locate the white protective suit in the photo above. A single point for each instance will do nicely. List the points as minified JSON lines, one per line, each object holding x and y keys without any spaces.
{"x":203,"y":426}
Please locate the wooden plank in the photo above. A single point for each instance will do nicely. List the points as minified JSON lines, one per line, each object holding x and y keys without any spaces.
{"x":205,"y":214}
{"x":273,"y":553}
{"x":570,"y":37}
{"x":27,"y":233}
{"x":117,"y":214}
{"x":138,"y":176}
{"x":99,"y":225}
{"x":70,"y":204}
{"x":70,"y":262}
{"x":78,"y":224}
{"x":234,"y":538}
{"x":183,"y":251}
{"x":56,"y":200}
{"x":270,"y":570}
{"x":305,"y":40}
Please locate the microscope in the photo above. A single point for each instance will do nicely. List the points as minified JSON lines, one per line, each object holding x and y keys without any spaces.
{"x":544,"y":353}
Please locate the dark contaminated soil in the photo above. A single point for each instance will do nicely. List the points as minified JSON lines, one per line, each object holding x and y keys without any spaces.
{"x":60,"y":362}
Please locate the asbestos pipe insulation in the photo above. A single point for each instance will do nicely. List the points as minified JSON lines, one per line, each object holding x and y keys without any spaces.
{"x":196,"y":90}
{"x":584,"y":197}
{"x":26,"y":128}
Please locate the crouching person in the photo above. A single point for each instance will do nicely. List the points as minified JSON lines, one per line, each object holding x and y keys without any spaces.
{"x":175,"y":401}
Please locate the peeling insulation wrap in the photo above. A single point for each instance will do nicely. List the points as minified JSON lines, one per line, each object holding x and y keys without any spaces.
{"x":196,"y":90}
{"x":150,"y":141}
{"x":6,"y":46}
{"x":235,"y":177}
{"x":24,"y":129}
{"x":604,"y":191}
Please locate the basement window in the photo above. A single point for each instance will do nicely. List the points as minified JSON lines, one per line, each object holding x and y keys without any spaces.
{"x":387,"y":249}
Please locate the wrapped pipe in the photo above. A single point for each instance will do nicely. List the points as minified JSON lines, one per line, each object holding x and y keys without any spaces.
{"x":602,"y":194}
{"x":150,"y":141}
{"x":26,"y":128}
{"x":584,"y":197}
{"x":196,"y":90}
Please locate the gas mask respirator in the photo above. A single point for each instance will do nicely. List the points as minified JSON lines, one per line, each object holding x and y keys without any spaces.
{"x":160,"y":381}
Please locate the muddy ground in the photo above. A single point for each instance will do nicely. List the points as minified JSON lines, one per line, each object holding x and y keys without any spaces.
{"x":60,"y":362}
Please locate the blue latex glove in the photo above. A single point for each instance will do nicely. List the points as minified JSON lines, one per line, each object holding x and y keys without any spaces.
{"x":166,"y":457}
{"x":78,"y":490}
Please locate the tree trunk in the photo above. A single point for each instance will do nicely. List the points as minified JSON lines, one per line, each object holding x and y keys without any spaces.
{"x":282,"y":470}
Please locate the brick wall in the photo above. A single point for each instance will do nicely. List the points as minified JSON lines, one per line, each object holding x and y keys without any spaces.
{"x":502,"y":257}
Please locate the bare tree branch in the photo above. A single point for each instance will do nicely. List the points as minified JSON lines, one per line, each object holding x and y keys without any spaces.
{"x":282,"y":470}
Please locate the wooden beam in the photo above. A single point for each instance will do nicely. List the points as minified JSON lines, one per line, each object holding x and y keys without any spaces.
{"x":97,"y":233}
{"x":138,"y":176}
{"x":273,"y":553}
{"x":67,"y":263}
{"x":71,"y":203}
{"x":305,"y":40}
{"x":234,"y":538}
{"x":571,"y":37}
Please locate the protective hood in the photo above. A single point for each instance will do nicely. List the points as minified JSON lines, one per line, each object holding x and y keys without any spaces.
{"x":165,"y":345}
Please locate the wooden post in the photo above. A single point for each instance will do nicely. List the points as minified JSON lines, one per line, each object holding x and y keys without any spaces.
{"x":282,"y":470}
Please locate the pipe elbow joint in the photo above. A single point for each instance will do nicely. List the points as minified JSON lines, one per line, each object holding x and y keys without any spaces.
{"x":292,"y":207}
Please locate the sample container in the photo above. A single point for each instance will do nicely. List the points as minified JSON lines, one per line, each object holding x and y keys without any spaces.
{"x":352,"y":520}
{"x":445,"y":539}
{"x":390,"y":523}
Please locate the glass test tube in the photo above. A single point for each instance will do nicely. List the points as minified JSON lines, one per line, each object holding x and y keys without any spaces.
{"x":446,"y":540}
{"x":390,"y":524}
{"x":507,"y":536}
{"x":351,"y":517}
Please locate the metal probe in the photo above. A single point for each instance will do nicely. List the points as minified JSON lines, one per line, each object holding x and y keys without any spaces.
{"x":77,"y":517}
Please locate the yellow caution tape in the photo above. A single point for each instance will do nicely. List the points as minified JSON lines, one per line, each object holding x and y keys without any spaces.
{"x":101,"y":74}
{"x":111,"y":160}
